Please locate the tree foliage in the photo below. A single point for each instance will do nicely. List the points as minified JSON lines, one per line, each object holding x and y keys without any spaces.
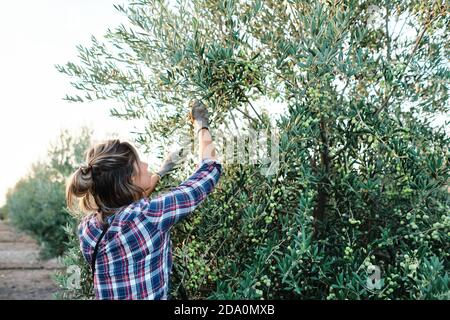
{"x":364,"y":172}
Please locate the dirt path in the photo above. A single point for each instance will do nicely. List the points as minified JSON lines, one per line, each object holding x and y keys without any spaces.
{"x":23,"y":276}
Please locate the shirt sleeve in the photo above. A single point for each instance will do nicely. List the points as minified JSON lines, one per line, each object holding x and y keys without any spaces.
{"x":169,"y":208}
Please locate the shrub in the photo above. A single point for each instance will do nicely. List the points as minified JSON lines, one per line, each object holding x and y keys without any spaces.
{"x":36,"y":206}
{"x":37,"y":202}
{"x":4,"y":212}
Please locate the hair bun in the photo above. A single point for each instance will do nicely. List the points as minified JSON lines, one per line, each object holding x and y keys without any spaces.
{"x":83,"y":180}
{"x":85,"y":169}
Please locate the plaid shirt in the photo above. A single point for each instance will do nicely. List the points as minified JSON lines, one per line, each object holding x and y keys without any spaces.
{"x":134,"y":258}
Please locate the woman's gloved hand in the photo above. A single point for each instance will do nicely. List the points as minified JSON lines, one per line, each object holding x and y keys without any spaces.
{"x":171,"y":161}
{"x":199,"y":115}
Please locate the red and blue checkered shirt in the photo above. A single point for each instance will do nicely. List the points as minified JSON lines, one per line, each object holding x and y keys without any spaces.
{"x":134,"y":258}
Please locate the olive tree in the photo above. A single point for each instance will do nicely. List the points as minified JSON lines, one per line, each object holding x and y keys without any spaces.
{"x":357,"y":206}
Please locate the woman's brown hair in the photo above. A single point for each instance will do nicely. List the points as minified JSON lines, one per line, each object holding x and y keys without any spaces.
{"x":104,"y":183}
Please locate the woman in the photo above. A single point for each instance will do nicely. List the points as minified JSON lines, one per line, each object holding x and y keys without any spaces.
{"x":127,"y":239}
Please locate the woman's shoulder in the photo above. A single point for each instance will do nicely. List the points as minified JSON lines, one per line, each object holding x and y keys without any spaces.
{"x":92,"y":220}
{"x":130,"y":212}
